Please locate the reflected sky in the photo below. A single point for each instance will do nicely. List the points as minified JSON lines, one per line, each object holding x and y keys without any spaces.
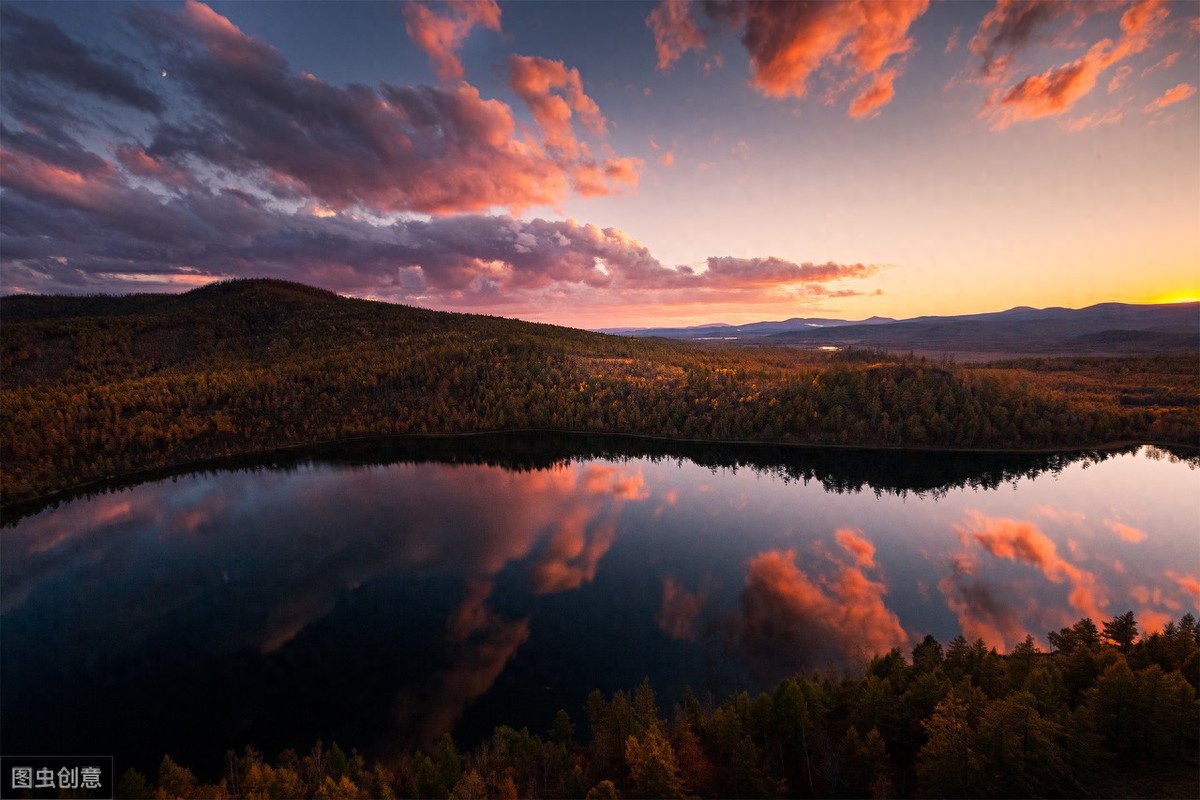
{"x":384,"y":605}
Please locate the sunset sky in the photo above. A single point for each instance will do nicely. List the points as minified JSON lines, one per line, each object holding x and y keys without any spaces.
{"x":609,"y":164}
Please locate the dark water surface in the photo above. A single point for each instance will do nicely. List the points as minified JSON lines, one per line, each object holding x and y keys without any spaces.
{"x":381,"y":597}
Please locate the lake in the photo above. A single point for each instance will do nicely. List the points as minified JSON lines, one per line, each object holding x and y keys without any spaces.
{"x":382,"y":595}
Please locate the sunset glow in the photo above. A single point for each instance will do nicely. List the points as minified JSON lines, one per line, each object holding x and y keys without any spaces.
{"x":609,"y":164}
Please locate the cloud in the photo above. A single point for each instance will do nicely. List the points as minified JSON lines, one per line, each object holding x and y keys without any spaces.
{"x":1095,"y":120}
{"x":1011,"y":25}
{"x":1119,"y":77}
{"x":878,"y":94}
{"x":533,"y":80}
{"x":675,"y":31}
{"x":37,"y":47}
{"x":952,"y":41}
{"x":388,"y":148}
{"x":1126,"y":532}
{"x":852,"y":542}
{"x":73,"y":220}
{"x":1174,"y":95}
{"x":1189,"y":583}
{"x":441,"y":37}
{"x":1165,"y":63}
{"x":789,"y":42}
{"x":266,"y":173}
{"x":1052,"y":92}
{"x":791,"y":621}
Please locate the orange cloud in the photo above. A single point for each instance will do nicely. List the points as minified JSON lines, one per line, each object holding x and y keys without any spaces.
{"x":675,"y":31}
{"x":1053,"y":92}
{"x":1189,"y":583}
{"x":441,"y":37}
{"x":1151,"y":621}
{"x":862,"y":550}
{"x":1141,"y":26}
{"x":788,"y":42}
{"x":878,"y":94}
{"x":1123,"y":72}
{"x":1126,"y":532}
{"x":790,"y":620}
{"x":1181,"y":92}
{"x":1056,"y":90}
{"x":1166,"y":63}
{"x":680,"y":609}
{"x":1095,"y":120}
{"x":534,"y":80}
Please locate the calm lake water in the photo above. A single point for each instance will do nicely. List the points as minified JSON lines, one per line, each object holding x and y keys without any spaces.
{"x":381,"y":601}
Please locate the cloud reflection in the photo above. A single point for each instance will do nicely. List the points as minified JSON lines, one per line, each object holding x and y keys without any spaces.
{"x":792,"y":619}
{"x":287,"y":552}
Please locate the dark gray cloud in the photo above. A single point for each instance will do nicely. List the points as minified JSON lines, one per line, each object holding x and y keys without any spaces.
{"x":38,"y":47}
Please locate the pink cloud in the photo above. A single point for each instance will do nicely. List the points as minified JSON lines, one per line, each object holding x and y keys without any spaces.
{"x":441,"y":37}
{"x":1174,"y":95}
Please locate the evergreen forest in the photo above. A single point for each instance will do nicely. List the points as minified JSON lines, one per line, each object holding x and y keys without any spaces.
{"x":98,"y":387}
{"x":1105,"y":714}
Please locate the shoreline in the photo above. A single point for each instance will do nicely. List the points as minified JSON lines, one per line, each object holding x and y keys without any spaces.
{"x":233,"y":460}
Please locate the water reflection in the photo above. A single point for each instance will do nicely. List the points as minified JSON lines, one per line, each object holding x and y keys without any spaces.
{"x":382,"y":605}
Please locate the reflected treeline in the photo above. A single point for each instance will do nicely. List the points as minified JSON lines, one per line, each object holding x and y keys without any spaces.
{"x":841,"y":470}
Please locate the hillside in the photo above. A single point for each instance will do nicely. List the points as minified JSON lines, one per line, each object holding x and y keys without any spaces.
{"x":98,"y":387}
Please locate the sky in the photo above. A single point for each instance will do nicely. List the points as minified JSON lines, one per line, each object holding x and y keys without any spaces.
{"x":609,"y":164}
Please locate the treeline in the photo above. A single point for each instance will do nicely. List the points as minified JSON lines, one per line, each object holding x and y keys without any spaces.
{"x":99,"y":387}
{"x":1101,"y":715}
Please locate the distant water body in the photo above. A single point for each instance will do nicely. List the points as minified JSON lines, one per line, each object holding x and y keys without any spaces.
{"x":380,"y":599}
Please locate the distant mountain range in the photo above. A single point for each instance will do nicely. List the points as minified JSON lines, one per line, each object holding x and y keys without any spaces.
{"x":1107,"y":328}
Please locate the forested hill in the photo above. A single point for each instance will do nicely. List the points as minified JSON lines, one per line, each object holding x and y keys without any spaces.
{"x":96,"y":387}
